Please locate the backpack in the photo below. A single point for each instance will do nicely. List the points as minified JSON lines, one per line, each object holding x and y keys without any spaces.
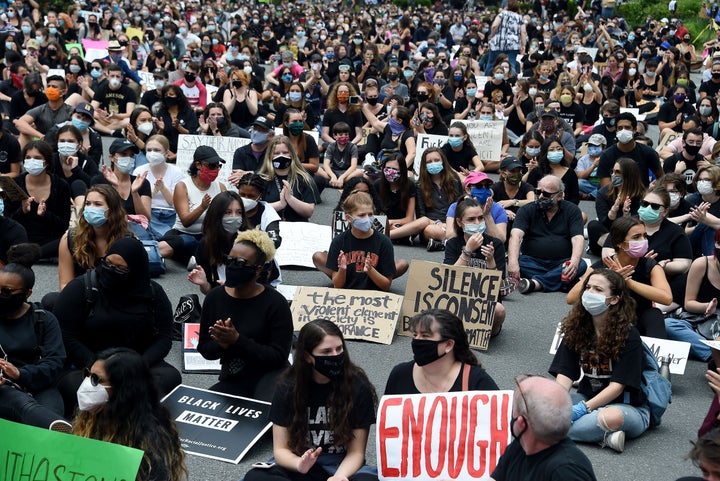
{"x":657,"y":389}
{"x":92,"y":293}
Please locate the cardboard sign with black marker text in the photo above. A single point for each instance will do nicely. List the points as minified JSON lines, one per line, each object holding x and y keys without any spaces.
{"x":469,"y":293}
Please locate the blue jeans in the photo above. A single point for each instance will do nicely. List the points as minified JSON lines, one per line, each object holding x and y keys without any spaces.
{"x":588,"y":187}
{"x":588,"y":430}
{"x":493,"y":54}
{"x":161,"y":221}
{"x":547,"y":272}
{"x":681,"y":330}
{"x":140,"y":232}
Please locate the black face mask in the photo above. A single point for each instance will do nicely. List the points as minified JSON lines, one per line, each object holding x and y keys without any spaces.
{"x":392,"y":77}
{"x":512,"y":428}
{"x":189,"y":77}
{"x":171,"y":101}
{"x":110,"y":279}
{"x":220,"y":121}
{"x":281,"y":162}
{"x":609,"y":121}
{"x":372,"y":101}
{"x":331,"y":367}
{"x":422,"y":97}
{"x":545,"y":204}
{"x":425,"y":351}
{"x":12,"y":303}
{"x":236,"y":276}
{"x":716,"y":75}
{"x":159,"y":54}
{"x":692,"y":149}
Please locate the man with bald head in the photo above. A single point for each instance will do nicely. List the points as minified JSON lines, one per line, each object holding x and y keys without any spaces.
{"x":541,"y":450}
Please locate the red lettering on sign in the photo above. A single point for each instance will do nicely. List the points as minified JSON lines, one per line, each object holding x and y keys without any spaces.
{"x":385,"y":433}
{"x":412,"y":429}
{"x":456,"y":444}
{"x":475,"y":472}
{"x":499,"y":427}
{"x":442,"y":445}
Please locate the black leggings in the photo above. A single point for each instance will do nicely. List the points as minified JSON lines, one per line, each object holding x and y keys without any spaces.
{"x":651,"y":322}
{"x":316,"y":473}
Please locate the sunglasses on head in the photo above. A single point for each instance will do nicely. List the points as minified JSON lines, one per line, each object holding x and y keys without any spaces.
{"x":654,"y":205}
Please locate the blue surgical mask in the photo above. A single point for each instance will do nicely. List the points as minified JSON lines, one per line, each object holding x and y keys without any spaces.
{"x":2,"y":206}
{"x":649,"y":215}
{"x":471,"y":229}
{"x":258,"y":138}
{"x":481,"y":194}
{"x":471,"y":92}
{"x":295,"y":96}
{"x":555,"y":157}
{"x":594,"y":150}
{"x":533,"y":151}
{"x":485,"y":117}
{"x":125,"y":164}
{"x":80,"y":124}
{"x":287,"y":78}
{"x":363,"y":224}
{"x":95,"y":216}
{"x":455,"y":142}
{"x":434,"y":168}
{"x":34,"y":166}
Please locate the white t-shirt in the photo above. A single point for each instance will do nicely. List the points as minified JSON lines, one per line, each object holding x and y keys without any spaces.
{"x":172,"y":176}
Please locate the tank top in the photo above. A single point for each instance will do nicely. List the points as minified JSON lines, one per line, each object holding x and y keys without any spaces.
{"x":195,"y":197}
{"x":707,"y":291}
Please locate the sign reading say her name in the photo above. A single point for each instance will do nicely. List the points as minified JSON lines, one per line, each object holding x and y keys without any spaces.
{"x":216,"y":425}
{"x":442,"y":436}
{"x":340,"y":224}
{"x":486,"y":136}
{"x":33,"y":453}
{"x":424,"y":142}
{"x":469,"y":293}
{"x":365,"y":315}
{"x":224,"y":146}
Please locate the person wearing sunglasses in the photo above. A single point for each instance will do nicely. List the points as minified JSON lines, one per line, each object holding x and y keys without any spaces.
{"x":116,"y":306}
{"x":31,"y":359}
{"x":119,"y":387}
{"x":687,"y":161}
{"x":647,"y":282}
{"x":550,"y":231}
{"x":245,"y":324}
{"x":601,"y":341}
{"x":540,"y":423}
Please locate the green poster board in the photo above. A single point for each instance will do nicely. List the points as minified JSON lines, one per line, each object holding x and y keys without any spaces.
{"x":27,"y":452}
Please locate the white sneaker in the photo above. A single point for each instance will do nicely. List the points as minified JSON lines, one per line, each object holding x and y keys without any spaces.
{"x":614,"y":441}
{"x":61,"y":426}
{"x":192,"y":264}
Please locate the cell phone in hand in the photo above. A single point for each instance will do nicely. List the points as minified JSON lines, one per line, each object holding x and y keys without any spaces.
{"x":354,"y":100}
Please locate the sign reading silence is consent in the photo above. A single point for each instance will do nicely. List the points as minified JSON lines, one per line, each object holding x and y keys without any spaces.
{"x":365,"y":315}
{"x":217,"y":425}
{"x":467,"y":292}
{"x":39,"y":454}
{"x":442,"y":436}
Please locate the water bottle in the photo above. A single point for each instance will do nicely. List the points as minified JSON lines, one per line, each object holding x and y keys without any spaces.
{"x":565,"y":278}
{"x":665,"y":368}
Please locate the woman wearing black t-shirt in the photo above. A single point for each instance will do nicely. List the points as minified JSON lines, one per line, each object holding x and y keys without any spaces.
{"x":321,"y":380}
{"x":460,"y":151}
{"x":442,"y":359}
{"x":397,"y":194}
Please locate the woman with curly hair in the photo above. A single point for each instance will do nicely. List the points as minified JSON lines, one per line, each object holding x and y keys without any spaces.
{"x":119,"y":387}
{"x":324,"y":394}
{"x":442,"y":359}
{"x":245,"y":324}
{"x":645,"y":278}
{"x":601,"y":341}
{"x":100,"y":223}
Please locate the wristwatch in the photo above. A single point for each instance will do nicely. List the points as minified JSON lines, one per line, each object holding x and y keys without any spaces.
{"x":516,"y":203}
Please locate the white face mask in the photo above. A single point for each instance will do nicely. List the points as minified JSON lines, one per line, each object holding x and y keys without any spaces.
{"x":125,"y":164}
{"x":34,"y":166}
{"x":532,"y":91}
{"x":91,"y":398}
{"x":114,"y":82}
{"x":159,"y":83}
{"x":249,"y":204}
{"x":625,"y":136}
{"x":594,"y":303}
{"x":674,"y":199}
{"x":67,"y":149}
{"x":704,"y":187}
{"x":155,"y":158}
{"x":145,"y":128}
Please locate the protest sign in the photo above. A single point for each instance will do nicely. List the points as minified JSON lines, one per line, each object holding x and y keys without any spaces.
{"x":12,"y":190}
{"x":486,"y":136}
{"x":666,"y":139}
{"x":301,"y":239}
{"x":94,"y":49}
{"x":423,"y":142}
{"x":193,"y":361}
{"x":147,"y":79}
{"x":216,"y":425}
{"x":224,"y":146}
{"x":676,"y":351}
{"x":340,"y":224}
{"x":590,"y":51}
{"x":210,"y":91}
{"x":287,"y":290}
{"x":40,"y":454}
{"x":467,"y":292}
{"x":366,"y":315}
{"x":442,"y":436}
{"x":60,"y":72}
{"x":481,"y":81}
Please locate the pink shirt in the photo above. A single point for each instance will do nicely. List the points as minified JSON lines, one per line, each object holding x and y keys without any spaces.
{"x":196,"y":95}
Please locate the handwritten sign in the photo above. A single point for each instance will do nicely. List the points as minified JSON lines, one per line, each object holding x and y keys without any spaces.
{"x":216,"y":425}
{"x":147,"y":78}
{"x":210,"y":91}
{"x":303,"y":238}
{"x":486,"y":136}
{"x":224,"y":146}
{"x":676,"y":351}
{"x":469,"y":293}
{"x":60,"y":72}
{"x":29,"y":452}
{"x":193,"y":361}
{"x":442,"y":436}
{"x":424,"y":142}
{"x":13,"y":191}
{"x":590,"y":51}
{"x":366,"y":315}
{"x":340,"y":224}
{"x":666,"y":139}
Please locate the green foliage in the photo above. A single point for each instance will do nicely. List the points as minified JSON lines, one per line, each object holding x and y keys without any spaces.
{"x":418,"y":3}
{"x":635,"y":12}
{"x":57,"y":5}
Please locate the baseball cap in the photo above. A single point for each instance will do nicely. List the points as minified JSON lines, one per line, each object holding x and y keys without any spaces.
{"x":548,"y":112}
{"x":597,"y":139}
{"x":510,"y":163}
{"x":85,"y":108}
{"x":475,"y":177}
{"x":264,"y":123}
{"x":205,"y":153}
{"x":121,"y":145}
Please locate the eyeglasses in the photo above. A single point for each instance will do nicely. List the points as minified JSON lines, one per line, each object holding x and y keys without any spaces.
{"x":236,"y":261}
{"x":95,"y":380}
{"x":654,"y":205}
{"x":113,"y":267}
{"x":540,"y":192}
{"x":8,"y":291}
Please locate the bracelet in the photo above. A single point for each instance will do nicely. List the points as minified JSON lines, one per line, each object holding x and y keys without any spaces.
{"x":586,"y":406}
{"x":467,"y":252}
{"x":465,"y":258}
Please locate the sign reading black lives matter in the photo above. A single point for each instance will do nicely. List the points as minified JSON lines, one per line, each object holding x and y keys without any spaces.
{"x":364,"y":315}
{"x":467,"y":292}
{"x":216,"y":425}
